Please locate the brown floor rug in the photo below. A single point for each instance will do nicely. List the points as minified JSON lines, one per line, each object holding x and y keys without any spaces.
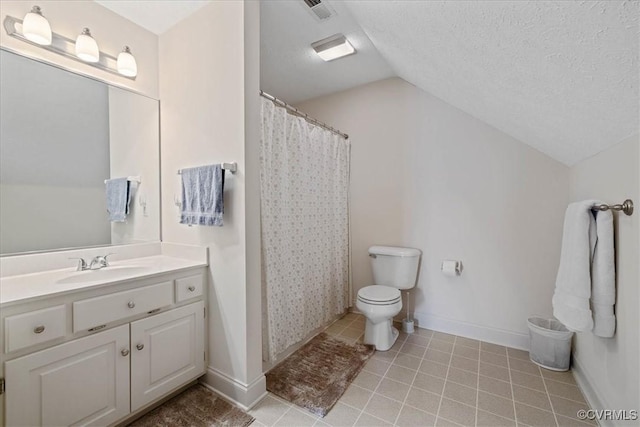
{"x":195,"y":407}
{"x":315,"y":376}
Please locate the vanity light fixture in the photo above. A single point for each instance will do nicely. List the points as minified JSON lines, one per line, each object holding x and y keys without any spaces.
{"x":333,"y":47}
{"x":36,"y":31}
{"x":86,"y":47}
{"x":36,"y":28}
{"x":127,"y":63}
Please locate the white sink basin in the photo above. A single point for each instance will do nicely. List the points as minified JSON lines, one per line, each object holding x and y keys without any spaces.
{"x":106,"y":273}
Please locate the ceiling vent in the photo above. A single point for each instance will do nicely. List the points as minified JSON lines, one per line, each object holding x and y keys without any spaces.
{"x":320,"y":10}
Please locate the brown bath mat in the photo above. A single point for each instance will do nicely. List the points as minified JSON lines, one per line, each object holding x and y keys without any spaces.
{"x":197,"y":406}
{"x":315,"y":376}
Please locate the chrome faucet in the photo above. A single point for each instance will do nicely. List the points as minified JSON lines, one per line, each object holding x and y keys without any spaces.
{"x":99,"y":262}
{"x":96,"y":263}
{"x":82,"y":264}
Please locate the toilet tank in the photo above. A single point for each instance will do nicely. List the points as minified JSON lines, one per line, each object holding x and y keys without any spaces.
{"x":394,"y":266}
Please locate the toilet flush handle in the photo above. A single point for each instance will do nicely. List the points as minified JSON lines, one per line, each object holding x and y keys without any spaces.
{"x":373,"y":255}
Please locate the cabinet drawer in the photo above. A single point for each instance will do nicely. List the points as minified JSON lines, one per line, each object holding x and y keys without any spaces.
{"x":98,"y":311}
{"x":34,"y":327}
{"x":189,"y":287}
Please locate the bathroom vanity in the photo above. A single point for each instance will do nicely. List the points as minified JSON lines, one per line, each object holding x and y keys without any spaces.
{"x":94,"y":347}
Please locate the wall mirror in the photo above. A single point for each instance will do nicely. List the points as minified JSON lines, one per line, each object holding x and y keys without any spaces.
{"x":61,"y":136}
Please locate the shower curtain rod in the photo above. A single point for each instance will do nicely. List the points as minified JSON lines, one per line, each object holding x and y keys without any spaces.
{"x":299,"y":113}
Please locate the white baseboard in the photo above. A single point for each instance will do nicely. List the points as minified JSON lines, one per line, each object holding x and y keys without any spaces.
{"x":468,"y":330}
{"x":586,"y":385}
{"x":471,"y":330}
{"x":240,"y":394}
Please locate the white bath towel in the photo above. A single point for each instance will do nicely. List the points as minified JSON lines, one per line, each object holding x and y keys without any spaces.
{"x":573,"y":283}
{"x":603,"y":277}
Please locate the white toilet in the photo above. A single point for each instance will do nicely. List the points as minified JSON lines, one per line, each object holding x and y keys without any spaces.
{"x":393,"y":269}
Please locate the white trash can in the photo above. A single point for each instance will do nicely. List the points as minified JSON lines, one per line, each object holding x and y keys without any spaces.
{"x":550,"y":344}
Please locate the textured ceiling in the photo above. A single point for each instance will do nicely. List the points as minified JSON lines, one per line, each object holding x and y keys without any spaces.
{"x":155,"y":16}
{"x":290,"y":69}
{"x":561,"y":76}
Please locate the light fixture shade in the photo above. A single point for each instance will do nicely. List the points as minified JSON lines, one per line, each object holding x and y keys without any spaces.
{"x":333,"y":47}
{"x":36,"y":28}
{"x":86,"y":47}
{"x":127,"y":63}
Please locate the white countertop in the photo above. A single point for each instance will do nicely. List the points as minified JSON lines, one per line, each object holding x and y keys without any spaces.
{"x":20,"y":288}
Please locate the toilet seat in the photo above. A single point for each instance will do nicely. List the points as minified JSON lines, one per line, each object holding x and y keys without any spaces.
{"x":379,"y":295}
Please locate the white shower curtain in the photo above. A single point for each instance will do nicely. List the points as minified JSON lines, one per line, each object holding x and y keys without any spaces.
{"x":304,"y":174}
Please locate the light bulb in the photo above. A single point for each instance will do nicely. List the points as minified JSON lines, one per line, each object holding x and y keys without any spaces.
{"x":86,"y":47}
{"x":127,"y":63}
{"x":36,"y":28}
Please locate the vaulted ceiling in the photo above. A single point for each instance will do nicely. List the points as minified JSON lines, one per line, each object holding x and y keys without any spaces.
{"x":560,"y":76}
{"x":289,"y":67}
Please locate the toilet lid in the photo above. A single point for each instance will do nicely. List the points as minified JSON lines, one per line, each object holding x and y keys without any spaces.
{"x":378,"y":294}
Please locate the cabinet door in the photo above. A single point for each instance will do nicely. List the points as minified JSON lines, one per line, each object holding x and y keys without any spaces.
{"x":167,"y":350}
{"x":81,"y":382}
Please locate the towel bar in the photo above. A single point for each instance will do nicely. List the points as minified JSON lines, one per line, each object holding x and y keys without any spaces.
{"x":626,"y":207}
{"x":231,"y":167}
{"x":130,"y":179}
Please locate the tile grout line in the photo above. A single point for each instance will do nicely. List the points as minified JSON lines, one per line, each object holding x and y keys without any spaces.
{"x":277,"y":399}
{"x":453,"y":399}
{"x":445,"y":381}
{"x":553,"y":411}
{"x":282,"y":416}
{"x":426,"y":347}
{"x":361,"y":411}
{"x":395,"y":422}
{"x":337,"y":335}
{"x":378,"y":385}
{"x":520,"y":385}
{"x":528,"y":404}
{"x":478,"y":385}
{"x":513,"y":395}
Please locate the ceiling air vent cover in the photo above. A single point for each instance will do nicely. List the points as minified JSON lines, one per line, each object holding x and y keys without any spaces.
{"x":320,"y":9}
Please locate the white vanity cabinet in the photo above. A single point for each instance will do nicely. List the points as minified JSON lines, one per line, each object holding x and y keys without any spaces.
{"x":96,"y":357}
{"x":167,"y":350}
{"x":82,"y":382}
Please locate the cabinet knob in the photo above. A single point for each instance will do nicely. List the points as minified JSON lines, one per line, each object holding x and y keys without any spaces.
{"x":38,"y":329}
{"x":131,"y":304}
{"x":140,"y":346}
{"x":191,"y":288}
{"x":125,"y":352}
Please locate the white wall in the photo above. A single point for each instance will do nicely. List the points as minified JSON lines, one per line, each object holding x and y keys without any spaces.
{"x":609,"y":367}
{"x":110,"y":30}
{"x":208,"y":87}
{"x":426,"y":175}
{"x":134,"y":135}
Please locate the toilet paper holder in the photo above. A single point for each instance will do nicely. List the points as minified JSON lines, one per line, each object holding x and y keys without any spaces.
{"x":451,"y":267}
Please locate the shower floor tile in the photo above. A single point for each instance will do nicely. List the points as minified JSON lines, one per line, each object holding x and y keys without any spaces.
{"x":451,"y":380}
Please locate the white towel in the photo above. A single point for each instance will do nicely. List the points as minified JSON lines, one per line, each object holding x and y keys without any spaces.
{"x":603,"y":277}
{"x":587,"y":271}
{"x":573,"y":283}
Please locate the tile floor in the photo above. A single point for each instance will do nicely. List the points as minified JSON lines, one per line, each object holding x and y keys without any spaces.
{"x":433,"y":379}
